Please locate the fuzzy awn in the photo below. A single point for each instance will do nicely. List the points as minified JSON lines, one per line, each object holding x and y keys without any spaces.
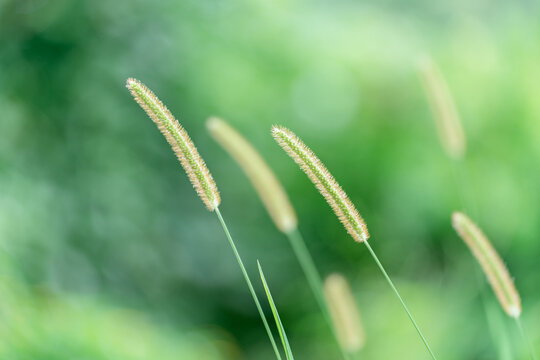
{"x":338,"y":200}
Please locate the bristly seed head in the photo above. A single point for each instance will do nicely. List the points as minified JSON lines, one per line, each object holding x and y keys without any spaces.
{"x":344,"y":313}
{"x":180,"y":142}
{"x":324,"y":181}
{"x":444,"y":109}
{"x":259,"y":173}
{"x":491,"y":263}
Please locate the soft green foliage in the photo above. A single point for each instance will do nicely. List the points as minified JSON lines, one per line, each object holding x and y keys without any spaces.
{"x":37,"y":324}
{"x":94,"y":205}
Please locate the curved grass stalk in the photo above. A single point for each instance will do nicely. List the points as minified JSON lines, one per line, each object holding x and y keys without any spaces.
{"x":276,"y":202}
{"x":181,"y":143}
{"x":453,"y":140}
{"x":491,"y":263}
{"x":494,"y":269}
{"x":281,"y":329}
{"x":314,"y":281}
{"x":264,"y":180}
{"x":337,"y":199}
{"x":248,"y":282}
{"x":400,"y":299}
{"x":323,"y":181}
{"x":196,"y":170}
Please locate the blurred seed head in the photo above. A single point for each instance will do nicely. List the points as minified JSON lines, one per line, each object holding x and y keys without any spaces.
{"x":491,"y":263}
{"x":344,"y":313}
{"x":266,"y":184}
{"x":324,"y":181}
{"x":444,"y":110}
{"x":180,"y":142}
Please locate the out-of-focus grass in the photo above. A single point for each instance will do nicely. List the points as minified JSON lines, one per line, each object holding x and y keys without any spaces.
{"x":86,"y":209}
{"x":37,"y":324}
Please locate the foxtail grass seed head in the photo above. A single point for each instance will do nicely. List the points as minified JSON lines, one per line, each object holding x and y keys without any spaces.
{"x":344,"y":313}
{"x":259,"y":173}
{"x":443,"y":108}
{"x":324,"y":181}
{"x":180,"y":142}
{"x":491,"y":263}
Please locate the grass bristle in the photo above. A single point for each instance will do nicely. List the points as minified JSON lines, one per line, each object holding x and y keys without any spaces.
{"x":491,"y":263}
{"x":259,"y":173}
{"x":324,"y":181}
{"x":180,"y":142}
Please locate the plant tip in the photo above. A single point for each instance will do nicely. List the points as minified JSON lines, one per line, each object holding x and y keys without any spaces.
{"x":323,"y":181}
{"x":344,"y":312}
{"x":490,"y":261}
{"x":264,"y":180}
{"x":181,"y":143}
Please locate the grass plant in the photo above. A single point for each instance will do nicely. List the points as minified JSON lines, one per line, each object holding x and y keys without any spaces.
{"x":494,"y":269}
{"x":443,"y":107}
{"x":453,"y":141}
{"x":196,"y":170}
{"x":338,"y":200}
{"x":276,"y":202}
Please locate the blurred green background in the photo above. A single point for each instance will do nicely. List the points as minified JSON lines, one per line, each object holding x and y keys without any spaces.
{"x":107,"y":253}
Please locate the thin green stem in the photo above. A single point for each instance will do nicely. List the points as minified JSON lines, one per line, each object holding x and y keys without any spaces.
{"x":279,"y":324}
{"x":399,"y":297}
{"x":314,"y":279}
{"x":248,"y":281}
{"x":497,"y":330}
{"x":525,"y":337}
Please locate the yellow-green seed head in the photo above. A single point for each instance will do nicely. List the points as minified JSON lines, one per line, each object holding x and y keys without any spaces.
{"x":259,"y":173}
{"x":444,"y":110}
{"x":180,"y":142}
{"x":324,"y":181}
{"x":344,"y":313}
{"x":491,"y":263}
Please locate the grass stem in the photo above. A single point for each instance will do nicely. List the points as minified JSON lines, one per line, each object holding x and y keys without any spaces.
{"x":525,"y":337}
{"x":248,"y":281}
{"x":497,"y":329}
{"x":399,"y":297}
{"x":313,"y":278}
